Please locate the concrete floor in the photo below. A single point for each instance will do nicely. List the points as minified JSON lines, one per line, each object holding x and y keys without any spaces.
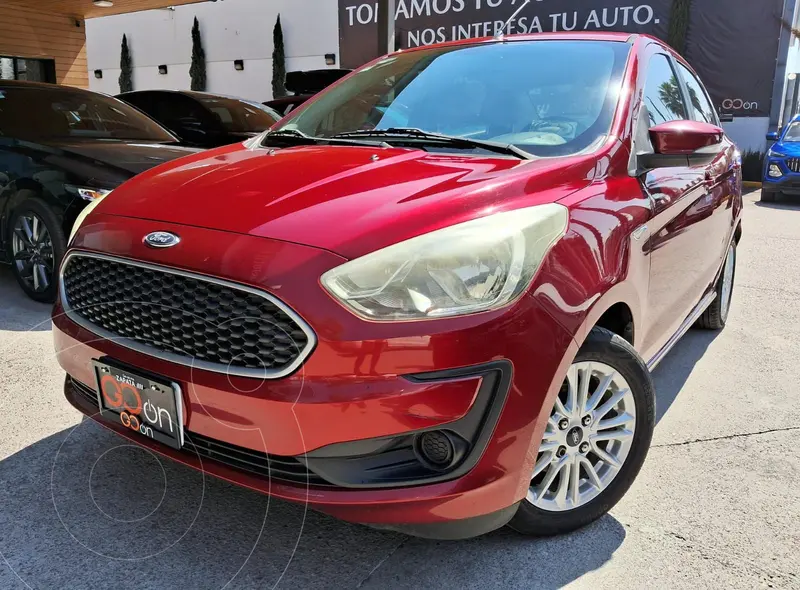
{"x":715,"y":506}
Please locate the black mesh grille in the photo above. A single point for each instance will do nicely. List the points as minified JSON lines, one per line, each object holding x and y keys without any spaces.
{"x":275,"y":467}
{"x":192,"y":318}
{"x":436,"y":448}
{"x":271,"y":466}
{"x":793,"y":164}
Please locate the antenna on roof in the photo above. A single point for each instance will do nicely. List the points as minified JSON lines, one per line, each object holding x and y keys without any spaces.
{"x":499,"y":34}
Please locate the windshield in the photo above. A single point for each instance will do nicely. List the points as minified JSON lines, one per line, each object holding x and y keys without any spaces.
{"x":40,"y":112}
{"x":792,"y":132}
{"x":240,"y":116}
{"x":549,"y":98}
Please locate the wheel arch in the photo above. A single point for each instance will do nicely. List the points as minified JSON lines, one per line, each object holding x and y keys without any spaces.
{"x":617,"y":310}
{"x":20,"y":190}
{"x":737,"y":233}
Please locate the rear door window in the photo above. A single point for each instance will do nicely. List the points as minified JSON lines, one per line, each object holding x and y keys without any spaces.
{"x":702,"y":109}
{"x":662,"y":92}
{"x":40,"y":112}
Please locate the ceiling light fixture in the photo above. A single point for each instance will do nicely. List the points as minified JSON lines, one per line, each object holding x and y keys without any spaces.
{"x":103,"y":3}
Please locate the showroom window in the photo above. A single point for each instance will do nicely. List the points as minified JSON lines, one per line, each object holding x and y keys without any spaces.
{"x":33,"y":70}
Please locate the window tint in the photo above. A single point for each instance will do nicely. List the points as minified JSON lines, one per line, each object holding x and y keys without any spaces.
{"x":792,"y":132}
{"x":549,"y":98}
{"x":702,"y":109}
{"x":239,"y":116}
{"x":662,"y":93}
{"x":31,"y":113}
{"x":179,"y":112}
{"x":144,"y":101}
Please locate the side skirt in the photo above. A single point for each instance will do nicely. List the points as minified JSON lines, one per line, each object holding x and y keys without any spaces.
{"x":687,"y":323}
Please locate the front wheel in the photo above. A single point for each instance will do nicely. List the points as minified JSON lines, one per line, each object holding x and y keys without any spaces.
{"x":768,"y":196}
{"x":37,"y":246}
{"x":596,"y":439}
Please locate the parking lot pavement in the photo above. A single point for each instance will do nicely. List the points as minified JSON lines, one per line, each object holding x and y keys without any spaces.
{"x":716,"y":504}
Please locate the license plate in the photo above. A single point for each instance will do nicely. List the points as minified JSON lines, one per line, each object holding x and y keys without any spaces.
{"x":150,"y":406}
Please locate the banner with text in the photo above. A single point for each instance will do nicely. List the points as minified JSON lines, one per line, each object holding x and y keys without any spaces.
{"x":731,"y":43}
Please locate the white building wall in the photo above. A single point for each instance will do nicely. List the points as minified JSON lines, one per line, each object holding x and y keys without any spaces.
{"x":231,"y":30}
{"x":748,"y":133}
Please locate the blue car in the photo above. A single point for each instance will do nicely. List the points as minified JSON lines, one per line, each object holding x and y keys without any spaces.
{"x":782,"y":164}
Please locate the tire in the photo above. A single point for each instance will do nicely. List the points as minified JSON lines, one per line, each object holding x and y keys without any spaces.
{"x":51,"y":255}
{"x":768,"y":197}
{"x":609,"y":350}
{"x":716,"y":315}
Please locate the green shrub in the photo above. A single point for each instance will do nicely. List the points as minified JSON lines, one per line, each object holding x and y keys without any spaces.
{"x":278,"y":61}
{"x":753,"y":165}
{"x":197,"y":71}
{"x":679,"y":25}
{"x":126,"y":67}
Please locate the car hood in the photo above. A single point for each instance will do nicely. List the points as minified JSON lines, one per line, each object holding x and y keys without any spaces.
{"x":349,"y":200}
{"x":133,"y":157}
{"x":789,"y":148}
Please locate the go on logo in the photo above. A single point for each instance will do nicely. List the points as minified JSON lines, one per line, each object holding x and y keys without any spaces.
{"x":737,"y":104}
{"x":117,"y":398}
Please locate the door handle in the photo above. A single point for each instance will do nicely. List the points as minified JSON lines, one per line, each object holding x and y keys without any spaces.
{"x":712,"y":179}
{"x":660,"y":200}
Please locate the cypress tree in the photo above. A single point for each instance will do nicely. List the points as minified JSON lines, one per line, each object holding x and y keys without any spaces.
{"x":126,"y":67}
{"x":278,"y":61}
{"x":679,"y":25}
{"x":197,"y":71}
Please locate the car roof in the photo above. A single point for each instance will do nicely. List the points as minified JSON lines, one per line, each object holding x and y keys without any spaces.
{"x":190,"y":93}
{"x":564,"y":36}
{"x":40,"y":85}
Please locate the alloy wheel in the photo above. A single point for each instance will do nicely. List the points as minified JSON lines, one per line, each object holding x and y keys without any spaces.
{"x":727,"y":283}
{"x":32,"y":251}
{"x":587,"y":439}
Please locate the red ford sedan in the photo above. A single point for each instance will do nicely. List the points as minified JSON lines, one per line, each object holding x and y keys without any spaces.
{"x":431,"y":298}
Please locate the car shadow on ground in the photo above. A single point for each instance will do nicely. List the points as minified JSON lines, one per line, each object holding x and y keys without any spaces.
{"x":671,"y":374}
{"x":19,"y":313}
{"x":785,"y":203}
{"x":84,"y":508}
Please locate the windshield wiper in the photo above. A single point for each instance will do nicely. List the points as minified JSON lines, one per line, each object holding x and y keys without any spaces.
{"x":421,"y":136}
{"x":297,"y":137}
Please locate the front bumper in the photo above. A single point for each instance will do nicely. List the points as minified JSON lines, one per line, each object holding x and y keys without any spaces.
{"x":788,"y":183}
{"x":364,"y":384}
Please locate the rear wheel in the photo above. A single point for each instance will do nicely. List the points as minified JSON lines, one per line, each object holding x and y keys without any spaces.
{"x":37,"y":246}
{"x":716,"y":315}
{"x":596,"y":439}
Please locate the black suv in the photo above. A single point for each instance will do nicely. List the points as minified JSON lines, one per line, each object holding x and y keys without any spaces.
{"x":203,"y":120}
{"x":60,"y":149}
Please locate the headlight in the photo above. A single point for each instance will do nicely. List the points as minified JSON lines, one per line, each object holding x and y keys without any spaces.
{"x":466,"y":268}
{"x":775,"y":154}
{"x":774,"y":171}
{"x":84,"y":214}
{"x":87,"y":194}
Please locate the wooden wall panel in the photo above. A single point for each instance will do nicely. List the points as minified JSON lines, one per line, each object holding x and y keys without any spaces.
{"x":86,"y":9}
{"x":32,"y":33}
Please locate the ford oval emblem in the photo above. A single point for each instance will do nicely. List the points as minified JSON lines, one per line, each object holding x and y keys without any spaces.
{"x":161,"y":239}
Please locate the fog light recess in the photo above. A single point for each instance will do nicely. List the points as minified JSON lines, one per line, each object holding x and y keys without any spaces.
{"x":436,"y":449}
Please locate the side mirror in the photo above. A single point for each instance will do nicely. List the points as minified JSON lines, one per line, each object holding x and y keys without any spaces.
{"x":772,"y":136}
{"x":682,"y":143}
